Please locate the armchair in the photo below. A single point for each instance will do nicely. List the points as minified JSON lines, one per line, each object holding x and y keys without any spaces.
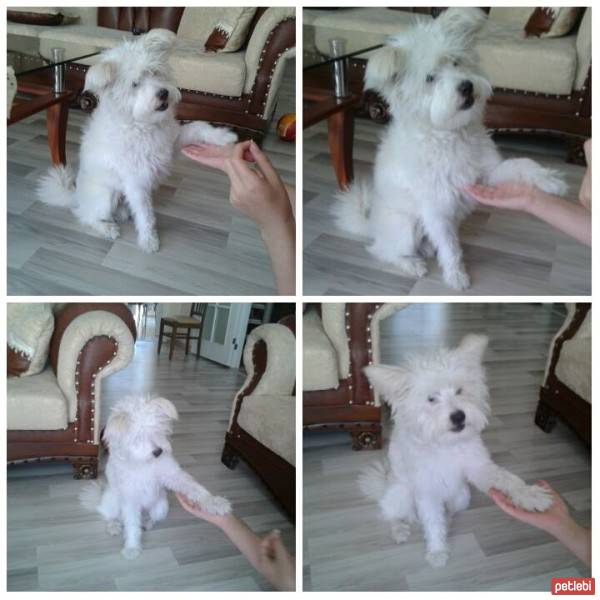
{"x":55,"y":415}
{"x":262,"y":423}
{"x":566,"y":391}
{"x":339,"y":341}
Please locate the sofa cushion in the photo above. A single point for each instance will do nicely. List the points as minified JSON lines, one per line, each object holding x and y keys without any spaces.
{"x":553,"y":21}
{"x":574,"y":366}
{"x":35,"y":403}
{"x":320,"y":366}
{"x":30,"y":327}
{"x":219,"y":29}
{"x":271,"y":421}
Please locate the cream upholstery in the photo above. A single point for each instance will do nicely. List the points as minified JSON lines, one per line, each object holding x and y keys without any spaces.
{"x":268,"y":413}
{"x":320,"y":369}
{"x":75,"y":336}
{"x":509,"y":60}
{"x":271,"y":421}
{"x":574,"y":367}
{"x":35,"y":403}
{"x":334,"y":324}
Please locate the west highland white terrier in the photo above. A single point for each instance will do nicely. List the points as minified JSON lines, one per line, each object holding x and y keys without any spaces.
{"x":439,"y":406}
{"x":140,"y":470}
{"x":434,"y":147}
{"x":128,"y":143}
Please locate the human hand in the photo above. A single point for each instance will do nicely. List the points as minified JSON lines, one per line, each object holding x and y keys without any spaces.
{"x":214,"y":156}
{"x":554,"y":520}
{"x":258,"y":193}
{"x":198,"y":511}
{"x":276,"y":563}
{"x":585,"y":191}
{"x":512,"y":195}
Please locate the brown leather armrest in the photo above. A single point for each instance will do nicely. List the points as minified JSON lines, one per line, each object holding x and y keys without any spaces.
{"x":65,"y":316}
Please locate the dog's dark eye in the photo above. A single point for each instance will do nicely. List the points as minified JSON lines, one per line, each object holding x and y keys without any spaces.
{"x":430,"y":78}
{"x":459,"y":391}
{"x":431,"y":398}
{"x":135,"y":84}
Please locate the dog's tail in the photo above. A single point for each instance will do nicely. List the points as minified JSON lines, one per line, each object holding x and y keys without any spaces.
{"x":57,"y":187}
{"x":351,"y":207}
{"x":90,"y":495}
{"x":372,"y":480}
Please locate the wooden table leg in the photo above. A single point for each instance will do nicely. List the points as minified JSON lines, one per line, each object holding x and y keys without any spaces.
{"x":198,"y":344}
{"x":187,"y":341}
{"x":160,"y":335}
{"x":56,"y":125}
{"x":340,"y":127}
{"x":173,"y":339}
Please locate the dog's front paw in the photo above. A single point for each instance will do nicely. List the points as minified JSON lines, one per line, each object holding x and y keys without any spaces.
{"x":108,"y":230}
{"x":458,"y":279}
{"x":552,"y":182}
{"x":437,"y":558}
{"x":131,"y":553}
{"x":114,"y":527}
{"x":220,"y":136}
{"x":532,"y":498}
{"x":149,"y":243}
{"x":216,"y":505}
{"x":400,"y":531}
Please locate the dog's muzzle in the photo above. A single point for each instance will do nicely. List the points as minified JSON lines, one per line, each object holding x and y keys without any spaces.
{"x":457,"y":418}
{"x":157,"y":452}
{"x":465,"y":89}
{"x":163,"y":96}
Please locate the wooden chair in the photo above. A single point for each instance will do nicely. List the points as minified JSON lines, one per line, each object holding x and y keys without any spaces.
{"x":195,"y":321}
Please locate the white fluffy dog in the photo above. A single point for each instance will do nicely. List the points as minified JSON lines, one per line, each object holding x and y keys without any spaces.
{"x":140,"y":470}
{"x":129,"y":140}
{"x":435,"y":145}
{"x":439,"y":406}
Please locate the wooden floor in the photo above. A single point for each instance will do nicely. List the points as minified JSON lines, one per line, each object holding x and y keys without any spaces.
{"x":506,"y":253}
{"x":348,"y":547}
{"x":207,"y":247}
{"x":54,"y":544}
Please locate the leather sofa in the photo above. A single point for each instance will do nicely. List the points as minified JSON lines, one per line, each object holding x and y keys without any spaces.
{"x":339,"y":341}
{"x":261,"y":427}
{"x":55,"y":415}
{"x":236,"y":88}
{"x":541,"y":85}
{"x":567,"y":389}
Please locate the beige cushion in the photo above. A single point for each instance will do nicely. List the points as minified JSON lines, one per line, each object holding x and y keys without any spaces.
{"x":514,"y":16}
{"x":584,"y":49}
{"x":197,"y":24}
{"x":30,"y":327}
{"x":271,"y":421}
{"x":320,"y":364}
{"x":334,"y":325}
{"x":574,"y":367}
{"x":35,"y":403}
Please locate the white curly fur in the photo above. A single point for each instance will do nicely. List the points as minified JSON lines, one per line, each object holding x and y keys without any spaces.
{"x":128,"y":143}
{"x":140,"y":470}
{"x":439,"y":405}
{"x":435,"y":145}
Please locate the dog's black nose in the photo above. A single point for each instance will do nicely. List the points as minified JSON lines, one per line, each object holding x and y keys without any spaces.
{"x":157,"y":452}
{"x":458,"y":418}
{"x":163,"y":94}
{"x":465,"y":87}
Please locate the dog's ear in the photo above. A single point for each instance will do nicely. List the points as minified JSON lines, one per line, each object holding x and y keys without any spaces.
{"x":159,"y":40}
{"x":98,"y":76}
{"x":391,"y":382}
{"x":461,"y":23}
{"x":383,"y":67}
{"x":117,"y":424}
{"x":166,"y":407}
{"x":473,"y":347}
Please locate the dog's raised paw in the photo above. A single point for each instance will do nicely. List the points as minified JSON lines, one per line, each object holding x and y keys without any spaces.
{"x":533,"y":498}
{"x":131,"y":553}
{"x":114,"y":528}
{"x":437,"y":559}
{"x":552,"y":183}
{"x":222,"y":136}
{"x":217,"y":505}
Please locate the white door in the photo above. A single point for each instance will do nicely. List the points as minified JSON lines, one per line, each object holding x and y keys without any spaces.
{"x":224,"y":332}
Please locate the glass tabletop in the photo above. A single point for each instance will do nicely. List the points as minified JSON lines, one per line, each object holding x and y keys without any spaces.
{"x":26,"y":61}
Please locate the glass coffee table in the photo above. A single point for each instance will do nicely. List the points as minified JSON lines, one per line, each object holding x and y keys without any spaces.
{"x":40,"y":85}
{"x":327,"y":94}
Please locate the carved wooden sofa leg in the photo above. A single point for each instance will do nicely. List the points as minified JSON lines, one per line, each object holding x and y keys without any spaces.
{"x":545,"y":417}
{"x":366,"y":438}
{"x":229,"y":457}
{"x":85,"y":468}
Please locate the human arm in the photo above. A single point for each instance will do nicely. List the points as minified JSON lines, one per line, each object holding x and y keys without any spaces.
{"x":267,"y":555}
{"x":570,"y":218}
{"x":555,"y":520}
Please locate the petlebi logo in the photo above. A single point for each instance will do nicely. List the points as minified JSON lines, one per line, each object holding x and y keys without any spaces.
{"x":572,"y":585}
